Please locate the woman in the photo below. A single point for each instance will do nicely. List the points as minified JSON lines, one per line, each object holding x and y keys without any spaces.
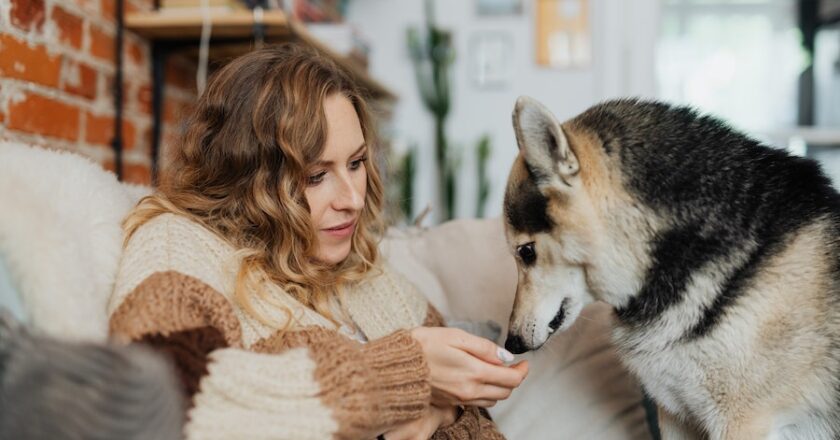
{"x":255,"y":268}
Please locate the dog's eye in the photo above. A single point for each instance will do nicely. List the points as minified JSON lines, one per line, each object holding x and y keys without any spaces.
{"x":527,"y":253}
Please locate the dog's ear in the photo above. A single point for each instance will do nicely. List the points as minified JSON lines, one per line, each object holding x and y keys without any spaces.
{"x":542,"y":142}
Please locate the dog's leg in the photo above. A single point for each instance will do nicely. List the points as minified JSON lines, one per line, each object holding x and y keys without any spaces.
{"x":671,"y":428}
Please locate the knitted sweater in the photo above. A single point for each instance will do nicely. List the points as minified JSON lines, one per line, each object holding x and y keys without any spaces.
{"x":246,"y":380}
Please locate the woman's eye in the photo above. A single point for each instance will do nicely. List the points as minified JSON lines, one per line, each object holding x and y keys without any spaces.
{"x":527,"y":253}
{"x":317,"y":178}
{"x":356,"y":164}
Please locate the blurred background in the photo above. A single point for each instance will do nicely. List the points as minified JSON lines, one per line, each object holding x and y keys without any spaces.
{"x":111,"y":79}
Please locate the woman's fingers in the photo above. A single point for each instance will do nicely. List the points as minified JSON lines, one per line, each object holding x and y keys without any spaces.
{"x":481,"y":348}
{"x":493,"y":392}
{"x":521,"y":366}
{"x":481,"y":403}
{"x":507,"y":377}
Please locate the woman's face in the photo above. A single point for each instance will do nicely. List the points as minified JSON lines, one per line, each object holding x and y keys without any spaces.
{"x":338,"y":181}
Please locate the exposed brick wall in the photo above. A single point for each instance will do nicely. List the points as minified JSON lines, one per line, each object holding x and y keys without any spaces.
{"x":57,"y":70}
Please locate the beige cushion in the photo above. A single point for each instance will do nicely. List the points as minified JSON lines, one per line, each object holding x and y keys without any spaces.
{"x":576,"y":387}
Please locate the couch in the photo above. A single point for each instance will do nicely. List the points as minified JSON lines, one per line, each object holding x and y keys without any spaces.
{"x":60,"y":244}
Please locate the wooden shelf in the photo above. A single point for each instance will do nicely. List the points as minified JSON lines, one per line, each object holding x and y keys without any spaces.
{"x":185,"y":28}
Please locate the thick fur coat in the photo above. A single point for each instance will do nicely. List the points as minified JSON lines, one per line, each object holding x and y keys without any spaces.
{"x":718,"y":254}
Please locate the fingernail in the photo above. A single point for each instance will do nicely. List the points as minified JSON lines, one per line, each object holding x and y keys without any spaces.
{"x":504,"y":354}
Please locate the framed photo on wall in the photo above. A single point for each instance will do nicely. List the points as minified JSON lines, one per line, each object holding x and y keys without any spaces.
{"x":563,"y":34}
{"x":490,"y":59}
{"x":498,"y":7}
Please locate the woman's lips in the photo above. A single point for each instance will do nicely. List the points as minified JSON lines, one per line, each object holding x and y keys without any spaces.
{"x":341,"y":231}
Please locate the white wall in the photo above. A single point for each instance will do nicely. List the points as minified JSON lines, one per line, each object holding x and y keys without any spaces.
{"x":624,"y":36}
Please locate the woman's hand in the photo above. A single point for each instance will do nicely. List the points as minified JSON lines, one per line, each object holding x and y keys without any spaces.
{"x":424,"y":427}
{"x":467,"y":370}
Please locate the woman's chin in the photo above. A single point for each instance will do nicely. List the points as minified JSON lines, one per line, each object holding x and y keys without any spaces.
{"x":334,"y":254}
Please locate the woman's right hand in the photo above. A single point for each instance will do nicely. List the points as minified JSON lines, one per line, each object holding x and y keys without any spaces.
{"x":467,"y":370}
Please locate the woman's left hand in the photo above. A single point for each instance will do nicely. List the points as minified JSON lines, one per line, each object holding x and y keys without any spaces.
{"x":424,"y":427}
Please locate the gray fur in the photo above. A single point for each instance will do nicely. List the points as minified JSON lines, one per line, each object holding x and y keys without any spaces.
{"x":57,"y":390}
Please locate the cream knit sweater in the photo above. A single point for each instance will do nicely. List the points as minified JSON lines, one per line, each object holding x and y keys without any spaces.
{"x":246,"y":380}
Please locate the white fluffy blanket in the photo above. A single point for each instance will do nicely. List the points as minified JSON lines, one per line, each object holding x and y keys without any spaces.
{"x":60,"y":236}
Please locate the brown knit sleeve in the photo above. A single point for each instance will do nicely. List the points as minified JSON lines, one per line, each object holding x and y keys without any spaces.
{"x":368,"y":387}
{"x":473,"y":424}
{"x":180,"y":316}
{"x":433,"y":317}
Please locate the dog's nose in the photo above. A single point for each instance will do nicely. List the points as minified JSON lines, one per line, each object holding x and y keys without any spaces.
{"x":515,"y":344}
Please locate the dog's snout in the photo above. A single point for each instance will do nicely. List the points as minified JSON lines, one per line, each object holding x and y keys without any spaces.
{"x":515,"y":344}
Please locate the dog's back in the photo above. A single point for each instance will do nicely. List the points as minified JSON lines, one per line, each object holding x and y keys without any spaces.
{"x":761,"y":227}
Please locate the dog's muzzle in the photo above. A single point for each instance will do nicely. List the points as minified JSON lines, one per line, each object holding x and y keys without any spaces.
{"x":515,"y":344}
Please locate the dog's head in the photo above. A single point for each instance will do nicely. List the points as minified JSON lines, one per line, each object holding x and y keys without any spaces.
{"x":567,"y":225}
{"x":550,"y":223}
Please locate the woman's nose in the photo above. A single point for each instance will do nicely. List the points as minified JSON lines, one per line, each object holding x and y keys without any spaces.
{"x":348,"y":197}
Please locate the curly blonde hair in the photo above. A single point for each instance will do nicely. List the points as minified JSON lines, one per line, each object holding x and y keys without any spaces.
{"x":242,"y":167}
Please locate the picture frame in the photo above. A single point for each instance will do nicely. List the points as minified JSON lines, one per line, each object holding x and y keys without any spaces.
{"x":490,"y":54}
{"x":498,"y":7}
{"x":563,"y":33}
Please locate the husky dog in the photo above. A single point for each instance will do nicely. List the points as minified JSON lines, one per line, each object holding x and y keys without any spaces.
{"x":718,"y":254}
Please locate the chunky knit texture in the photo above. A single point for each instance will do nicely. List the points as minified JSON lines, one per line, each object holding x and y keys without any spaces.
{"x":246,"y":379}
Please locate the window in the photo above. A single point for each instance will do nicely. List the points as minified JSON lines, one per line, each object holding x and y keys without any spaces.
{"x":738,"y":59}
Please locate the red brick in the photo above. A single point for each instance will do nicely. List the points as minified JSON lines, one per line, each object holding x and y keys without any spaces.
{"x":175,"y":110}
{"x":131,"y":8}
{"x":110,"y":89}
{"x":144,"y":99}
{"x":40,"y":115}
{"x":69,"y":27}
{"x":134,"y":52}
{"x":18,"y":60}
{"x":101,"y":43}
{"x":28,"y":14}
{"x":88,"y":5}
{"x":132,"y":172}
{"x":179,"y":74}
{"x":137,"y":173}
{"x":79,"y":79}
{"x":100,"y":130}
{"x":109,"y":9}
{"x":108,"y":165}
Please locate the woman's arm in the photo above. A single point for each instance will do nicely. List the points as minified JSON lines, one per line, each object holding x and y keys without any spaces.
{"x":169,"y":294}
{"x":310,"y":383}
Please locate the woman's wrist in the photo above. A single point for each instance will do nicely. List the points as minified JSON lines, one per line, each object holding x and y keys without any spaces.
{"x":450,"y":415}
